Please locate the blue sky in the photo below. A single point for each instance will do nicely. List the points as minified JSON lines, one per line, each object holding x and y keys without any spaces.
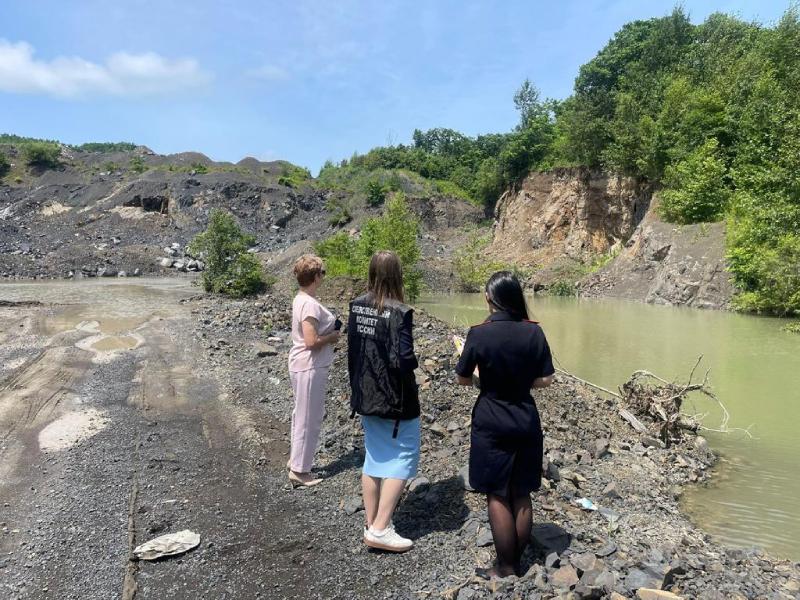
{"x":299,"y":80}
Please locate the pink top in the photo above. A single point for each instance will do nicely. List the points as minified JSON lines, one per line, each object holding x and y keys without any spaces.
{"x":300,"y":358}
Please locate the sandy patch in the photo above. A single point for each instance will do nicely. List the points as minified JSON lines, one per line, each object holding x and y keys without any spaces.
{"x":129,"y":212}
{"x":16,"y":363}
{"x":71,"y":428}
{"x":55,"y":208}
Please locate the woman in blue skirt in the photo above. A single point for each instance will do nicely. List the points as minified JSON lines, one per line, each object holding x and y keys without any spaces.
{"x":511,"y":356}
{"x":381,"y":365}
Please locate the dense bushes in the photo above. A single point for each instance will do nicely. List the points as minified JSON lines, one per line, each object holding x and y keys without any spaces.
{"x":396,"y":230}
{"x":712,"y":112}
{"x":41,"y":154}
{"x":106,"y":147}
{"x":697,"y":189}
{"x":230,"y":269}
{"x":137,"y":165}
{"x":474,"y":169}
{"x":293,"y":176}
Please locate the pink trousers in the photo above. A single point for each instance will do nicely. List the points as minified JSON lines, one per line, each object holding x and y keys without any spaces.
{"x":309,"y":409}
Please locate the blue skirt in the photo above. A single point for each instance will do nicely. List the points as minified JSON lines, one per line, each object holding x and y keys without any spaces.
{"x":388,"y":457}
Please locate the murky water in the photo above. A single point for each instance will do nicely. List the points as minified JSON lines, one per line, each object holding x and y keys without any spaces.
{"x":112,"y":306}
{"x":755,"y":370}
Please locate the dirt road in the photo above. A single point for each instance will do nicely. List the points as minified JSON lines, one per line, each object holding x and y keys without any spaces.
{"x":111,"y":433}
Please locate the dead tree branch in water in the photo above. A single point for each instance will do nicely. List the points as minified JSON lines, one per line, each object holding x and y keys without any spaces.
{"x":662,"y":402}
{"x":588,"y":383}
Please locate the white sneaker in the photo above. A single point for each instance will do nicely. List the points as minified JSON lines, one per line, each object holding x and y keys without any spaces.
{"x":388,"y":539}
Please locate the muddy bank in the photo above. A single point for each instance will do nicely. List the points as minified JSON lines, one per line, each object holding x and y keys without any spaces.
{"x":637,"y":539}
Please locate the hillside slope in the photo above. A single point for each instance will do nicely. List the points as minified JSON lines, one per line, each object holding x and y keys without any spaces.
{"x":106,"y":213}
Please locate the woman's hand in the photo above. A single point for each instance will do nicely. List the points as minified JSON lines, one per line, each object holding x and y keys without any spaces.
{"x":463,"y":380}
{"x":543,"y":382}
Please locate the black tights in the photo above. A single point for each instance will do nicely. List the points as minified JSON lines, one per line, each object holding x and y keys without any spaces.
{"x":511,"y":522}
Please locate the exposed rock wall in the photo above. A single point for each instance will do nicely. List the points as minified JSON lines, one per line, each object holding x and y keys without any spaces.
{"x":663,"y":263}
{"x":567,"y":212}
{"x":558,"y":222}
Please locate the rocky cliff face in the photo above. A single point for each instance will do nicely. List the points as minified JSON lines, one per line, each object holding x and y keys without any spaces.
{"x":570,"y":213}
{"x":667,"y":264}
{"x":560,"y":222}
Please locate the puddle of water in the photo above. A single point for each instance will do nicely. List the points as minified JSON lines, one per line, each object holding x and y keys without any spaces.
{"x":115,"y":343}
{"x":106,"y":347}
{"x":71,"y":428}
{"x":72,"y":317}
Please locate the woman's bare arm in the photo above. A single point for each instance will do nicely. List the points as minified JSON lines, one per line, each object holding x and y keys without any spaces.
{"x":312,"y":339}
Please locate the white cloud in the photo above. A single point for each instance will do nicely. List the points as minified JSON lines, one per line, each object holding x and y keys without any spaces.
{"x":122,"y":74}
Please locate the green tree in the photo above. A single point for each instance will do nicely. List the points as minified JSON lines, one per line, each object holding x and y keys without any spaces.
{"x":376,"y":192}
{"x":41,"y":154}
{"x":230,"y":269}
{"x":397,"y":230}
{"x":696,"y":187}
{"x":470,"y":264}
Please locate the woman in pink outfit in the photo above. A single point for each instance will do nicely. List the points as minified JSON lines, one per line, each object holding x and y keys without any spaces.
{"x":314,"y":332}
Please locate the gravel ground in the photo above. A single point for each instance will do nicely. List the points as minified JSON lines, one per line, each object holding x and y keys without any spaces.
{"x":197,"y":438}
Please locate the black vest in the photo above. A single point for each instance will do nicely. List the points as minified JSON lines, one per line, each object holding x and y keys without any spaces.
{"x":378,"y":386}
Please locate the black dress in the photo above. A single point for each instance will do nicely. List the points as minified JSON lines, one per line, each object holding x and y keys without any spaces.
{"x":506,"y":442}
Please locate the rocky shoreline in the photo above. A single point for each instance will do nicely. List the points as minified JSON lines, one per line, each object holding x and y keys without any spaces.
{"x":607,"y":521}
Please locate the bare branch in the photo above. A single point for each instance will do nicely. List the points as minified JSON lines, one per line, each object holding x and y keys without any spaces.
{"x":589,"y":383}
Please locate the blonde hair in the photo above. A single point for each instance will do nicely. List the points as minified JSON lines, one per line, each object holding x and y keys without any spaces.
{"x":306,"y":268}
{"x":385,"y":278}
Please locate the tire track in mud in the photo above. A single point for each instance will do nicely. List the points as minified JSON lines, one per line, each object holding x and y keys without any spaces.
{"x":34,"y":392}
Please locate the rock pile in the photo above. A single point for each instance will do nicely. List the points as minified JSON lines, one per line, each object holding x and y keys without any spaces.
{"x":176,"y":257}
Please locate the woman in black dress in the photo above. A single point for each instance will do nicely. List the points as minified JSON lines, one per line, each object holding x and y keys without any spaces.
{"x":505,"y":460}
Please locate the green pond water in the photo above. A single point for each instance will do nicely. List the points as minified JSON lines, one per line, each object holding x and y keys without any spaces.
{"x":754,"y":499}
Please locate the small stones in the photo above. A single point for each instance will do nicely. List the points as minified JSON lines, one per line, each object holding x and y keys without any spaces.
{"x":565,"y":577}
{"x":599,"y":448}
{"x":606,"y":550}
{"x":651,"y":594}
{"x":352,"y":505}
{"x":437,"y":429}
{"x":610,"y":491}
{"x":263,"y":350}
{"x":463,"y":477}
{"x":651,"y":442}
{"x":643,"y":578}
{"x":583,"y":562}
{"x":484,"y":537}
{"x":419,"y":485}
{"x":552,"y":560}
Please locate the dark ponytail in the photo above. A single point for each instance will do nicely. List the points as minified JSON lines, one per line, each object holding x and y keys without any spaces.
{"x":504,"y":292}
